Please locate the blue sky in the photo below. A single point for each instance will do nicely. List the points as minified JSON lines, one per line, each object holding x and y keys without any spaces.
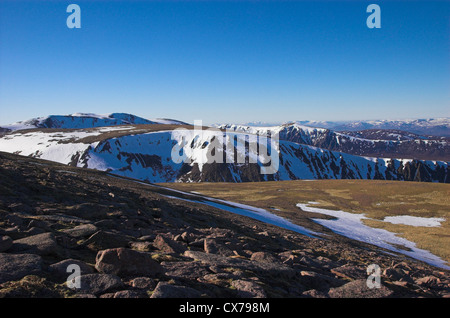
{"x":219,"y":61}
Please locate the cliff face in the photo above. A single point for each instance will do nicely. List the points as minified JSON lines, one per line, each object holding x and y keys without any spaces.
{"x":384,"y":143}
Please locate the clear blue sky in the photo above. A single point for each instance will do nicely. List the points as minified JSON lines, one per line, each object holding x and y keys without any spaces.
{"x":219,"y":61}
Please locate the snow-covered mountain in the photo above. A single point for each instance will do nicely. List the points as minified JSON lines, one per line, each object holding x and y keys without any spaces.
{"x":428,"y":126}
{"x":147,"y":154}
{"x":374,"y":143}
{"x":85,"y":120}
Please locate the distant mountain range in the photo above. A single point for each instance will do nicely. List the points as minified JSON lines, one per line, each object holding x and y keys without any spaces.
{"x":384,"y":143}
{"x":131,"y":146}
{"x":426,"y":127}
{"x":429,"y":126}
{"x":432,"y":126}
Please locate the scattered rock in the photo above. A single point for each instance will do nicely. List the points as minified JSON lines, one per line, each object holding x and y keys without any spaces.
{"x":87,"y":210}
{"x":326,"y":263}
{"x":222,"y":279}
{"x":263,"y":257}
{"x":143,"y":283}
{"x":270,"y":269}
{"x":13,"y":232}
{"x":309,"y":262}
{"x":166,"y":290}
{"x":349,"y":272}
{"x":428,"y":281}
{"x":14,"y":220}
{"x":130,"y":294}
{"x":248,"y":289}
{"x":41,"y":244}
{"x":34,"y":231}
{"x":84,"y":296}
{"x":44,"y":225}
{"x":142,"y":246}
{"x":187,"y":237}
{"x":213,"y":246}
{"x":99,"y":283}
{"x":403,"y":266}
{"x":189,"y":270}
{"x":101,"y":240}
{"x":358,"y":289}
{"x":198,"y":243}
{"x":168,"y":246}
{"x":150,"y":237}
{"x":290,"y":260}
{"x":58,"y":217}
{"x":393,"y":273}
{"x":397,"y":274}
{"x":16,"y":266}
{"x":83,"y":230}
{"x":313,"y":280}
{"x":60,"y":269}
{"x":127,"y":262}
{"x":18,"y":206}
{"x":5,"y":243}
{"x":313,"y":293}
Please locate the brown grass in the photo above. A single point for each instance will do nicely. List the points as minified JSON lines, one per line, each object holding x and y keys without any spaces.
{"x":377,"y":199}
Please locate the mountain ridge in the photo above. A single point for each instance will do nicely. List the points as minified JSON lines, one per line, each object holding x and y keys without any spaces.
{"x":438,"y":126}
{"x":143,"y":149}
{"x":147,"y":154}
{"x":86,"y":120}
{"x":371,"y":143}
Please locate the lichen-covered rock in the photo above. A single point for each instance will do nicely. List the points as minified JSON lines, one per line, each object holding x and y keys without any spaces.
{"x":99,"y":283}
{"x":60,"y":269}
{"x":41,"y":244}
{"x":17,"y":266}
{"x":83,"y":230}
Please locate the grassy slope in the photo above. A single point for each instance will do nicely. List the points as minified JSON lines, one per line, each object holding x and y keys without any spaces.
{"x":377,"y":199}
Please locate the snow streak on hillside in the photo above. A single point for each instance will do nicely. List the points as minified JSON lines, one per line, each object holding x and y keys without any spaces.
{"x":149,"y":156}
{"x":352,"y":226}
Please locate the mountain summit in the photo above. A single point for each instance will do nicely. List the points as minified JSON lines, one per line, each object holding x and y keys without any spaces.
{"x":85,"y":120}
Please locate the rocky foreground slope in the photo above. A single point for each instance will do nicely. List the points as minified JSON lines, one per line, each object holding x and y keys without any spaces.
{"x":134,"y":240}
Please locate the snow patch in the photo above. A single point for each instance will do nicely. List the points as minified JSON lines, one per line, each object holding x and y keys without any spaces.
{"x":414,"y":220}
{"x":351,"y":226}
